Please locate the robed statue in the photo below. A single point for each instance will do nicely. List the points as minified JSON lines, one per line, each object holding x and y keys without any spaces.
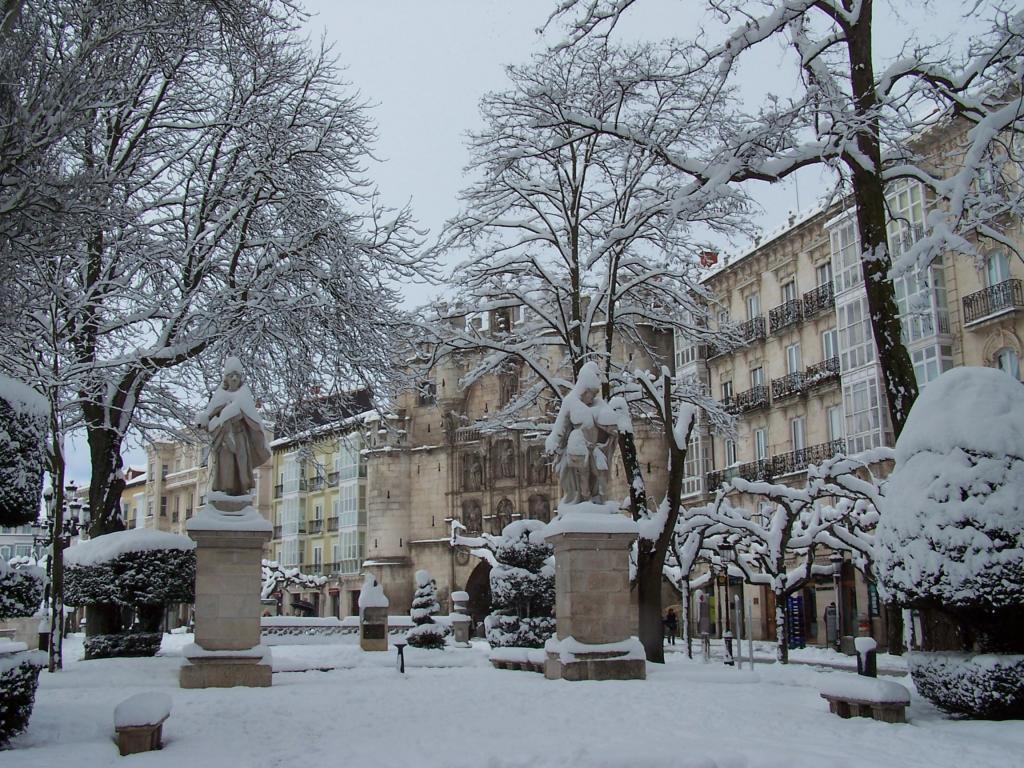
{"x":239,"y":444}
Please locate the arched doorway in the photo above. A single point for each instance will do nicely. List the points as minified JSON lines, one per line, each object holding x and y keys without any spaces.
{"x":478,"y":585}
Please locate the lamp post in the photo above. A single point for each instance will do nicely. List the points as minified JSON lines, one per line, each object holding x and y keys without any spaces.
{"x":836,"y":558}
{"x":53,"y":534}
{"x":727,"y":553}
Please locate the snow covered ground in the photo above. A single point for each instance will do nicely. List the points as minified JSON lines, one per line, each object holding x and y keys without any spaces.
{"x":363,"y":713}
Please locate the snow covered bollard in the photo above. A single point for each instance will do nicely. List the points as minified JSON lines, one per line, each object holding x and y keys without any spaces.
{"x":461,"y":621}
{"x":867,"y":658}
{"x":139,"y":722}
{"x":373,"y":616}
{"x":857,"y":696}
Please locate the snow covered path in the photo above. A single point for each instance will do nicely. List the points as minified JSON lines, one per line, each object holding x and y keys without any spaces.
{"x":364,"y":713}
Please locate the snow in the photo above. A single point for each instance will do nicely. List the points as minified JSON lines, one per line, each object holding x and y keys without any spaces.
{"x":142,"y":709}
{"x":568,"y":648}
{"x":588,"y":517}
{"x":247,"y":519}
{"x":847,"y":686}
{"x":685,"y":715}
{"x":22,"y":398}
{"x":195,"y":651}
{"x":372,"y":595}
{"x":105,"y":548}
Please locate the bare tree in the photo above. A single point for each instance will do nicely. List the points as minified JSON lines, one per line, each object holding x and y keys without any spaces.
{"x":582,"y":246}
{"x":212,"y":201}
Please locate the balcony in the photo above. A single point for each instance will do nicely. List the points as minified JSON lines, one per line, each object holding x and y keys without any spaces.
{"x":748,"y":332}
{"x":754,"y":398}
{"x":818,"y":299}
{"x":799,"y":460}
{"x":316,"y":483}
{"x":332,"y":479}
{"x":332,"y":523}
{"x":467,"y":435}
{"x":332,"y":567}
{"x":785,"y":315}
{"x":790,"y":385}
{"x":312,"y":570}
{"x":998,"y":299}
{"x":760,"y":469}
{"x":822,"y":373}
{"x":316,"y":526}
{"x":277,"y":531}
{"x":278,"y":491}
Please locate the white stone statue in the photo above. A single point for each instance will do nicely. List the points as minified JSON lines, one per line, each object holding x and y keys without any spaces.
{"x":584,"y":437}
{"x":239,"y":443}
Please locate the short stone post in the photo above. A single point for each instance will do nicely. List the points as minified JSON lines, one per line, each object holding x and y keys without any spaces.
{"x":461,"y":621}
{"x":373,"y":616}
{"x":227,"y":651}
{"x":596,"y":622}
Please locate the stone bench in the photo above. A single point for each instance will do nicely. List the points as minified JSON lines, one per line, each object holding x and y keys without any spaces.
{"x":527,"y":659}
{"x":139,"y":722}
{"x":856,"y":696}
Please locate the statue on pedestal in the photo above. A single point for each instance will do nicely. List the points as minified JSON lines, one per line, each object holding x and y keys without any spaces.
{"x":584,"y":438}
{"x":239,"y":444}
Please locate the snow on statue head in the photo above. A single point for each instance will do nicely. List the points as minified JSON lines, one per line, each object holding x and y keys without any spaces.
{"x":238,"y":441}
{"x":952,"y":526}
{"x":583,"y":440}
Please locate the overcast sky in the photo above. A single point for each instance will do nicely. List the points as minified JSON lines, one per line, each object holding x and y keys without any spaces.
{"x":424,"y":64}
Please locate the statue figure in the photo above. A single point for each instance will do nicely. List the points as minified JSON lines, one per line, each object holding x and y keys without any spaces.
{"x":583,"y":438}
{"x":239,"y":444}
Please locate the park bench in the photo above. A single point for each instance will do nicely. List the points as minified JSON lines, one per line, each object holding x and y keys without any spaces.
{"x":882,"y":700}
{"x":139,"y":721}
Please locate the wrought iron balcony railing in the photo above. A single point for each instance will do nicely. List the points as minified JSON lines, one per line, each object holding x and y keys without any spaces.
{"x":817,"y":299}
{"x":1007,"y":295}
{"x":788,"y":386}
{"x":754,"y":398}
{"x":278,"y":490}
{"x":316,"y":483}
{"x":316,"y":526}
{"x":785,"y":315}
{"x":746,"y":332}
{"x":277,"y":531}
{"x":332,"y":523}
{"x":760,"y":469}
{"x":798,"y":460}
{"x":821,"y":373}
{"x":332,"y":479}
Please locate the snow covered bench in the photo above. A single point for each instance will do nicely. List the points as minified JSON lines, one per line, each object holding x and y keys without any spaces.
{"x":528,"y":659}
{"x":139,"y":722}
{"x":850,"y":696}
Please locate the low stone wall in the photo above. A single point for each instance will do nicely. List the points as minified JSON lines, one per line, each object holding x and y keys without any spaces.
{"x":302,"y":627}
{"x":26,"y":630}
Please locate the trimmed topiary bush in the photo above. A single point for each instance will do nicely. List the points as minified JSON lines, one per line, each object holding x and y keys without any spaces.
{"x":980,"y":686}
{"x":950,"y":540}
{"x":522,"y":588}
{"x":21,"y":590}
{"x":19,"y":678}
{"x":122,"y":645}
{"x":427,"y":633}
{"x":24,"y":423}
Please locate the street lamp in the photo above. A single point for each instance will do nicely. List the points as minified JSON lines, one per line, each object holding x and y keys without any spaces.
{"x":727,"y":553}
{"x":836,"y":558}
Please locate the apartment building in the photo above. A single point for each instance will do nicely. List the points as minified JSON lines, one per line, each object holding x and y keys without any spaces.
{"x":805,"y":383}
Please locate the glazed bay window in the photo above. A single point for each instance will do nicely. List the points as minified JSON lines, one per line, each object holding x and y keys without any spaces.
{"x":856,"y":343}
{"x":930,"y":361}
{"x":845,"y":248}
{"x":863,"y":415}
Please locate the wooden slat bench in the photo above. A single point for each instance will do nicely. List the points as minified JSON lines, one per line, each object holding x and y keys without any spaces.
{"x":886,"y":711}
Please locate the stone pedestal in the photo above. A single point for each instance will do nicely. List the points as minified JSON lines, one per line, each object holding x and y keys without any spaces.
{"x":227,"y":650}
{"x":596,"y":624}
{"x":373,"y":629}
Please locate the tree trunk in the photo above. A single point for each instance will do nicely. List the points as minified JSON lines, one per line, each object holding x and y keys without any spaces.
{"x":781,"y":629}
{"x":648,"y":586}
{"x":894,"y":629}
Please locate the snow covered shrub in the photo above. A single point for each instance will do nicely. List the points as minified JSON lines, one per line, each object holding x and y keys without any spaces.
{"x":950,"y":541}
{"x":122,"y":645}
{"x":426,"y":633}
{"x":981,"y":686}
{"x":142,"y":569}
{"x":19,"y":677}
{"x":24,"y":417}
{"x":21,"y":590}
{"x":522,"y":588}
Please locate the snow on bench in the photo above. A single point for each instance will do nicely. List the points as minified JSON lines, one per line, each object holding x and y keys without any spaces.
{"x":858,"y":696}
{"x":139,"y":721}
{"x":529,"y":659}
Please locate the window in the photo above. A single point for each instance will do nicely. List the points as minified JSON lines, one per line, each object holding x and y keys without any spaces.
{"x":753,"y":306}
{"x":835,"y":423}
{"x":823,"y":273}
{"x":906,"y":216}
{"x":318,"y":559}
{"x":757,"y":377}
{"x":1008,"y":361}
{"x":788,"y":291}
{"x":726,"y":391}
{"x":163,"y":506}
{"x":318,"y":512}
{"x":845,"y":248}
{"x":797,"y":434}
{"x":930,"y":361}
{"x":997,"y":269}
{"x":793,"y":358}
{"x":730,"y":453}
{"x":760,"y":444}
{"x":856,"y":344}
{"x":863,"y":415}
{"x":829,"y":344}
{"x":723,"y":318}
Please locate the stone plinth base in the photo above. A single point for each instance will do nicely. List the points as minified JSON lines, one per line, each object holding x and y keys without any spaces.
{"x":461,"y":625}
{"x":596,"y":621}
{"x":373,"y":629}
{"x":595,"y":667}
{"x":225,"y":672}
